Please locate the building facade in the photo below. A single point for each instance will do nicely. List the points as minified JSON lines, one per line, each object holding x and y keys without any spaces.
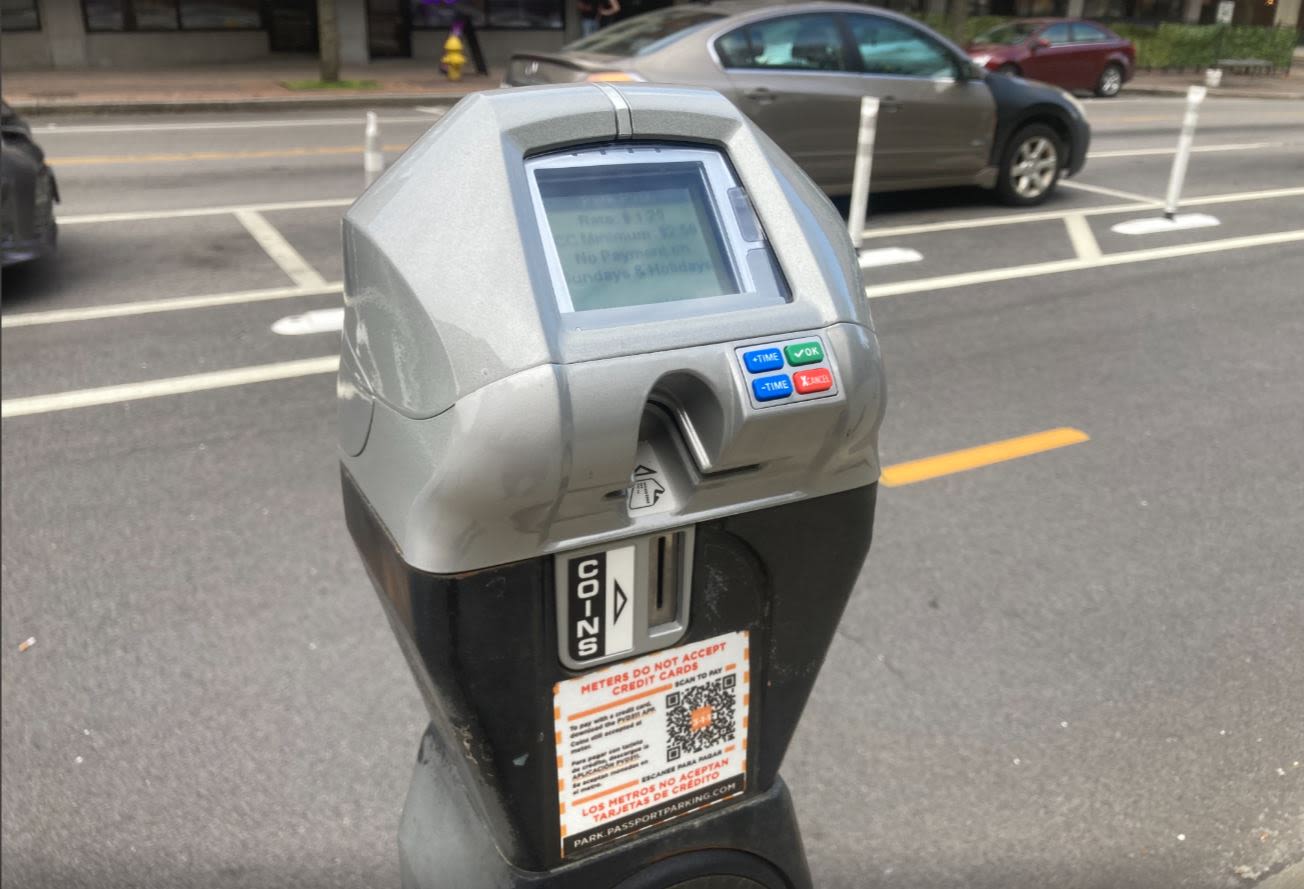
{"x":39,"y":34}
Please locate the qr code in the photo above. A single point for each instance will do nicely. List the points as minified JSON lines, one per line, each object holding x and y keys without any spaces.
{"x":700,"y":717}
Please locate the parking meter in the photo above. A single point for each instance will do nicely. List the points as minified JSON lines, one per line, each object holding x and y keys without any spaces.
{"x":609,"y":399}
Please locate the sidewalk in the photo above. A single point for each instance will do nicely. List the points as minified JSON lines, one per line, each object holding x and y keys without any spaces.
{"x":1290,"y":86}
{"x":235,"y":87}
{"x":255,"y":86}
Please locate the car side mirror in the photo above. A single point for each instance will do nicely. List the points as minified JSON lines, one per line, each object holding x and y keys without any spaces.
{"x":1039,"y":43}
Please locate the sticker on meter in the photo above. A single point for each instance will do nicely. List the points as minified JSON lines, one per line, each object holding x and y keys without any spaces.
{"x":599,"y":596}
{"x":650,"y":739}
{"x":647,"y":495}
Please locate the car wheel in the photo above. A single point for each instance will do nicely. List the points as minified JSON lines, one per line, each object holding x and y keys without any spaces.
{"x":1009,"y":69}
{"x":1111,"y":81}
{"x":1030,"y":166}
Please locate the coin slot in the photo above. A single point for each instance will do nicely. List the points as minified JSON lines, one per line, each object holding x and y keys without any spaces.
{"x":666,"y":582}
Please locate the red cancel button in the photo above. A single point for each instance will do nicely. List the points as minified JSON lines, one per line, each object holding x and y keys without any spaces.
{"x":817,"y":380}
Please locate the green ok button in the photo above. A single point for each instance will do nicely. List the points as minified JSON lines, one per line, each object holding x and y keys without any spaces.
{"x":804,"y":353}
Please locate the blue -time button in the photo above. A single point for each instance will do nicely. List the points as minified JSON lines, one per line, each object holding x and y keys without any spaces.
{"x":761,"y":360}
{"x":770,"y":388}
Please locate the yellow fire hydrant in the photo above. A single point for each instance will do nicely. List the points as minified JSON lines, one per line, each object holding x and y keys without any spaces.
{"x":453,"y":59}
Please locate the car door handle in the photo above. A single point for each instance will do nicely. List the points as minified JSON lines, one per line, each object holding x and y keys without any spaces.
{"x":761,"y":95}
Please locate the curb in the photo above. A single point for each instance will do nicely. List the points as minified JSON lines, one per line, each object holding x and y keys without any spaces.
{"x":38,"y":107}
{"x":1224,"y":92}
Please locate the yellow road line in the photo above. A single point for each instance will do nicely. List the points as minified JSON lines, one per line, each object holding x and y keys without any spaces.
{"x":188,"y":156}
{"x":984,"y":455}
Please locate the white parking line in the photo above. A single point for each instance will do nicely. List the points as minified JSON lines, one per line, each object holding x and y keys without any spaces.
{"x":1110,"y":192}
{"x":1199,"y":149}
{"x":280,"y":250}
{"x":221,"y":379}
{"x":40,"y":404}
{"x":1047,"y":215}
{"x":988,"y":276}
{"x":1083,"y":239}
{"x":56,"y":129}
{"x":173,"y":304}
{"x":188,"y":212}
{"x":1244,"y":196}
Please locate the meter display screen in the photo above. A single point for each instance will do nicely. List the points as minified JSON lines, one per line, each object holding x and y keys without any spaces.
{"x":635,"y":234}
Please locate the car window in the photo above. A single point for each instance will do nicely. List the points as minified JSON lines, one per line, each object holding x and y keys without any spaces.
{"x":1088,"y":34}
{"x":641,"y":33}
{"x":797,"y":42}
{"x":1056,"y":34}
{"x":1007,"y":35}
{"x":889,"y":47}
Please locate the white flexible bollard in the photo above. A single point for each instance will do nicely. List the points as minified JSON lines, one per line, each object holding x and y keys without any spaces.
{"x":1194,"y":96}
{"x":860,"y":178}
{"x":863,"y":169}
{"x":373,"y":159}
{"x":1171,"y":220}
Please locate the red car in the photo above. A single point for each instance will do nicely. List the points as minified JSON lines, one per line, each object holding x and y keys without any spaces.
{"x":1069,"y":53}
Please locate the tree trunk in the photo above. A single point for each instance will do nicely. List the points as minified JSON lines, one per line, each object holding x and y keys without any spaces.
{"x":956,"y":18}
{"x":328,"y":41}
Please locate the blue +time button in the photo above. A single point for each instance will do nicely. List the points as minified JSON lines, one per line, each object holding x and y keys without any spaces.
{"x":772,"y":388}
{"x":761,"y":360}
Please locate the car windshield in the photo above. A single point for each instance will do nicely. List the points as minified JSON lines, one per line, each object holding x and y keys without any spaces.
{"x":643,"y":33}
{"x":1008,"y":35}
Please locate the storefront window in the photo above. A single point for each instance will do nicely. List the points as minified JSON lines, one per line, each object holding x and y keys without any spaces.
{"x":525,"y":14}
{"x":155,"y":15}
{"x":223,"y":14}
{"x":168,"y":15}
{"x":439,"y":14}
{"x":19,"y":15}
{"x":104,"y":15}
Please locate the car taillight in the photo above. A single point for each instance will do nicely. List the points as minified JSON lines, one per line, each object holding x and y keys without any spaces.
{"x":612,"y":77}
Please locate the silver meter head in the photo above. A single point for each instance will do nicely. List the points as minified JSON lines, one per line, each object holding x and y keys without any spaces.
{"x":609,"y":401}
{"x":578,"y":315}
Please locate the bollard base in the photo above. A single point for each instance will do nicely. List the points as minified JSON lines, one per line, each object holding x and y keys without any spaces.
{"x":1158,"y":224}
{"x":752,"y":844}
{"x":872,"y":259}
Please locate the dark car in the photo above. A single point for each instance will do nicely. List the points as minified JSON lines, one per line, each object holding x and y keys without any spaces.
{"x":1069,"y":53}
{"x":28,"y":193}
{"x":799,"y":72}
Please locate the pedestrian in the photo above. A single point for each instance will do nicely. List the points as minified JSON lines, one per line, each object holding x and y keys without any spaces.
{"x":607,"y":12}
{"x":595,"y":14}
{"x":588,"y":11}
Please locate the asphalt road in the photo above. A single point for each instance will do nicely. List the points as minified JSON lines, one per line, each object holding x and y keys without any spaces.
{"x":1077,"y":669}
